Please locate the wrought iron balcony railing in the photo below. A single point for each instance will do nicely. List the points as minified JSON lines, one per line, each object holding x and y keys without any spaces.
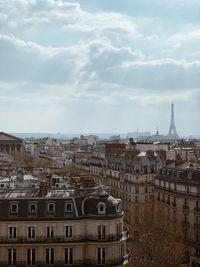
{"x":61,"y":239}
{"x":78,"y":263}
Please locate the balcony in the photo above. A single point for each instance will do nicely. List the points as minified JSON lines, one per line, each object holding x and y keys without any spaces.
{"x":127,"y":257}
{"x":61,"y":239}
{"x":125,"y":233}
{"x":79,"y":263}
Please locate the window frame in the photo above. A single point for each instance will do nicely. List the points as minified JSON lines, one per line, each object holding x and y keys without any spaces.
{"x":69,"y":259}
{"x":11,"y":209}
{"x":32,"y":259}
{"x":33,"y":230}
{"x":99,"y":206}
{"x":13,"y":260}
{"x":48,"y":208}
{"x":51,"y":232}
{"x":36,"y":208}
{"x":12,"y":227}
{"x":71,"y":205}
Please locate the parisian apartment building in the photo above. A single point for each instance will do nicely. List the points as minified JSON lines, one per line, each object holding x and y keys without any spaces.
{"x":61,"y":226}
{"x":179,"y":190}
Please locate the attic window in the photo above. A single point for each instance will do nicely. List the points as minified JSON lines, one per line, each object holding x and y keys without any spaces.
{"x":101,"y":208}
{"x":118,"y":207}
{"x":68,"y":207}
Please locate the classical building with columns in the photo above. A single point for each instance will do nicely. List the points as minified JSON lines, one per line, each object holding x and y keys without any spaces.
{"x":10,"y":143}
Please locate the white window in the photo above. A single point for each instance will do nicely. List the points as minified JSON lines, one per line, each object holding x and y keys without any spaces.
{"x":49,"y":256}
{"x":50,"y":231}
{"x":101,"y":208}
{"x":12,"y":256}
{"x":51,"y":207}
{"x":12,"y":232}
{"x":101,"y":256}
{"x":68,"y":231}
{"x":68,"y":207}
{"x":68,"y":256}
{"x":118,"y":207}
{"x":31,"y":256}
{"x":101,"y":231}
{"x":13,"y":208}
{"x":33,"y":208}
{"x":31,"y":232}
{"x":119,"y":229}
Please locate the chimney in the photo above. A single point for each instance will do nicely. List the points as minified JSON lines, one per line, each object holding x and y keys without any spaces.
{"x":43,"y":188}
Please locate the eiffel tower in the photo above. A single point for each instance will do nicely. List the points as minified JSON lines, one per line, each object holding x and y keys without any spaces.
{"x":172,"y":134}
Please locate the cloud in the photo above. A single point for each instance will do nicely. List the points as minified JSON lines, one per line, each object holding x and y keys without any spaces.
{"x":108,"y":58}
{"x":95,"y":61}
{"x":28,"y":61}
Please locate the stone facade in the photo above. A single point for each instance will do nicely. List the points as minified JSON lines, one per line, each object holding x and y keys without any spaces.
{"x":10,"y":143}
{"x":179,"y":189}
{"x":42,"y":227}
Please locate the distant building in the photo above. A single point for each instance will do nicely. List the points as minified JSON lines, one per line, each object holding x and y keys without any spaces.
{"x":136,"y":135}
{"x":10,"y":143}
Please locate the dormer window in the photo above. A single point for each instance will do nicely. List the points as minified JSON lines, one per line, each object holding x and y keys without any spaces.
{"x":68,"y":207}
{"x":118,"y":207}
{"x":51,"y":208}
{"x":101,"y":208}
{"x":13,"y":208}
{"x":32,"y":208}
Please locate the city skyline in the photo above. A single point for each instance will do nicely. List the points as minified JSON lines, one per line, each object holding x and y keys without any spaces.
{"x":99,"y":66}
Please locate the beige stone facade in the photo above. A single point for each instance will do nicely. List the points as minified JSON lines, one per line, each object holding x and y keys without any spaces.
{"x":179,"y":190}
{"x":90,"y":233}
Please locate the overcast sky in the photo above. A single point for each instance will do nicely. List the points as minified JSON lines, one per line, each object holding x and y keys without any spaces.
{"x":99,"y":65}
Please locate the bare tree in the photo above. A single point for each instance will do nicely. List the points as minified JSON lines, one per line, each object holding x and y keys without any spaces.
{"x":155,"y":240}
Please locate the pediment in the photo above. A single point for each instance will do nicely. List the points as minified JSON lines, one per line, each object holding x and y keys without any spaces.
{"x":8,"y":137}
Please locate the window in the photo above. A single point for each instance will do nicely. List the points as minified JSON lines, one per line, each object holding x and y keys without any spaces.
{"x":12,"y":232}
{"x":118,"y":229}
{"x":13,"y":208}
{"x":68,"y":207}
{"x":101,"y":208}
{"x":118,"y":207}
{"x":101,"y":256}
{"x":31,"y":256}
{"x":12,"y":256}
{"x":68,"y":231}
{"x":49,"y":256}
{"x":32,"y":208}
{"x":121,"y":250}
{"x":174,"y":202}
{"x":51,"y":207}
{"x":137,"y":190}
{"x":50,"y":231}
{"x":101,"y":231}
{"x":68,"y":256}
{"x":197,"y":205}
{"x":31,"y":232}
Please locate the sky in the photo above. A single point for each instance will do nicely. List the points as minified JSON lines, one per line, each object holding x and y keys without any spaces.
{"x":97,"y":66}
